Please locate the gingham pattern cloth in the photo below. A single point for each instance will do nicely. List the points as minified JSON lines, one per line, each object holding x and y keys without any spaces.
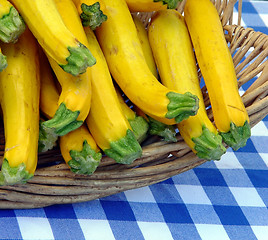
{"x":219,"y":200}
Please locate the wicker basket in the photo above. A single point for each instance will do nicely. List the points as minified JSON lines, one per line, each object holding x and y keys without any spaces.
{"x":54,"y":183}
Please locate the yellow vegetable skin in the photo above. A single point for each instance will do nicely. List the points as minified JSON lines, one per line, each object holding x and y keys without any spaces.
{"x":122,"y":49}
{"x":46,"y":24}
{"x":217,"y":68}
{"x":19,"y":89}
{"x":11,"y":23}
{"x":174,"y":56}
{"x":145,"y":45}
{"x":78,"y":148}
{"x":151,"y":5}
{"x":106,"y":121}
{"x":75,"y":98}
{"x":138,"y":124}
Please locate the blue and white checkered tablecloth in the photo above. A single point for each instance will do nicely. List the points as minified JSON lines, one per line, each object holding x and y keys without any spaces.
{"x":226,"y":199}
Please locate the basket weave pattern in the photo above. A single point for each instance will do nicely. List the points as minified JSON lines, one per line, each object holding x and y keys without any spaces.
{"x":54,"y":183}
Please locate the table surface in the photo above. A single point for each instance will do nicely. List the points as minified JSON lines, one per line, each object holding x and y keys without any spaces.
{"x":226,"y":199}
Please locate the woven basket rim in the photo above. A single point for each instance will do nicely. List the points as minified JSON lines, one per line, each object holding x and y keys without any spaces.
{"x":56,"y":184}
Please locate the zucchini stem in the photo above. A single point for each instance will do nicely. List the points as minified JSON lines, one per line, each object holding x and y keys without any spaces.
{"x":209,"y":145}
{"x":92,"y":16}
{"x":167,"y":132}
{"x":124,"y":150}
{"x":79,"y":59}
{"x":11,"y":26}
{"x":139,"y":127}
{"x":13,"y":175}
{"x":3,"y":62}
{"x":182,"y":106}
{"x":85,"y":161}
{"x":171,"y":4}
{"x":63,"y":122}
{"x":237,"y":136}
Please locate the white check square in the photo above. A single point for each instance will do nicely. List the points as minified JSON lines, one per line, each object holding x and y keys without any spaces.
{"x":261,"y":232}
{"x":142,"y":194}
{"x":155,"y":231}
{"x":35,"y":228}
{"x":247,"y":197}
{"x":228,"y":161}
{"x":96,"y":229}
{"x":212,"y":232}
{"x":259,"y":130}
{"x":188,"y":191}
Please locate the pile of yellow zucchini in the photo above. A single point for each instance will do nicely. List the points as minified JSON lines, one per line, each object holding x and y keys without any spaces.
{"x":66,"y":65}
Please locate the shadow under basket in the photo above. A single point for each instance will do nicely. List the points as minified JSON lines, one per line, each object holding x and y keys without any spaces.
{"x":54,"y":183}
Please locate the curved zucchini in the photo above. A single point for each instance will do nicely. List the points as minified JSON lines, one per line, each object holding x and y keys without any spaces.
{"x":19,"y":86}
{"x":11,"y":23}
{"x":216,"y":65}
{"x":78,"y":148}
{"x":122,"y":49}
{"x":75,"y":98}
{"x":106,"y":121}
{"x":138,"y":124}
{"x":46,"y":24}
{"x":173,"y":51}
{"x":151,"y":5}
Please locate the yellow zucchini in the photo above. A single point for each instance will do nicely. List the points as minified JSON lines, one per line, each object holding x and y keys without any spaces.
{"x":216,"y":65}
{"x":11,"y":23}
{"x":106,"y":121}
{"x":122,"y":49}
{"x":167,"y":132}
{"x":145,"y":45}
{"x":78,"y":148}
{"x":46,"y":24}
{"x":19,"y":89}
{"x":80,"y":151}
{"x":75,"y":98}
{"x":174,"y":56}
{"x":138,"y":124}
{"x":151,"y":5}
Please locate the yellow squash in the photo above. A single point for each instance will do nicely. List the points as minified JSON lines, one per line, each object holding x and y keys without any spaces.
{"x":75,"y":98}
{"x":151,"y":5}
{"x":106,"y":121}
{"x":174,"y":56}
{"x":46,"y":24}
{"x":78,"y":148}
{"x":138,"y":124}
{"x":11,"y":23}
{"x":145,"y":45}
{"x":122,"y":49}
{"x":80,"y":151}
{"x":216,"y":64}
{"x":19,"y":89}
{"x":167,"y":132}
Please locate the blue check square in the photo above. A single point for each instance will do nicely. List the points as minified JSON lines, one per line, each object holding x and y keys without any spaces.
{"x":175,"y":213}
{"x":231,"y":215}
